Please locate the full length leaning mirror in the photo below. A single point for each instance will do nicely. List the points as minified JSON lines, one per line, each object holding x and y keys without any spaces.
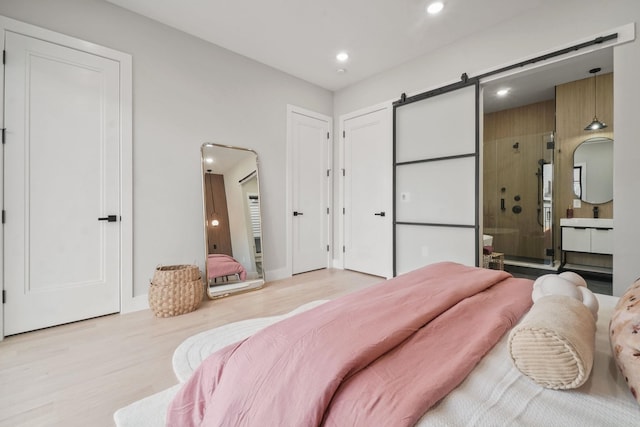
{"x":232,"y":219}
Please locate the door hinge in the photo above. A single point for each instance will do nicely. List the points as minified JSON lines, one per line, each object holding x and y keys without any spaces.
{"x":327,"y":211}
{"x":344,"y":249}
{"x":343,"y":211}
{"x":328,"y":172}
{"x":327,"y":135}
{"x":4,"y":216}
{"x":344,"y":135}
{"x":4,"y":296}
{"x":4,"y":132}
{"x":327,"y":248}
{"x":343,"y":172}
{"x":4,"y":57}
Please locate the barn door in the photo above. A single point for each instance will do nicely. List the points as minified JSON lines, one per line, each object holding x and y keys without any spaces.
{"x":436,"y":184}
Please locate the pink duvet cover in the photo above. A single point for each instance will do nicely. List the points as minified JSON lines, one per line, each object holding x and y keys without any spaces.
{"x":381,"y":356}
{"x":220,"y":265}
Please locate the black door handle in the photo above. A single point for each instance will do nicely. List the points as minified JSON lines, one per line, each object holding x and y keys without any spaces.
{"x":110,"y":218}
{"x":296,"y":213}
{"x":380,"y":214}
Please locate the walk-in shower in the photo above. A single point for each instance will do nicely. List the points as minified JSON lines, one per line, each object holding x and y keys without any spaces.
{"x":518,"y":197}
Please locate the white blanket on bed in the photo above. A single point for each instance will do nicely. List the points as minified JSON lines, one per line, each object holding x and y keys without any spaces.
{"x":494,"y":394}
{"x":497,"y":394}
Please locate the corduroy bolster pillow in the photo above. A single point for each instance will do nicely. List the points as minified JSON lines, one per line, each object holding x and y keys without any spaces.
{"x":554,"y":343}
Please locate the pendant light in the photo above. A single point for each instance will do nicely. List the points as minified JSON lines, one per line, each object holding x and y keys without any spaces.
{"x":214,"y":216}
{"x":595,"y":124}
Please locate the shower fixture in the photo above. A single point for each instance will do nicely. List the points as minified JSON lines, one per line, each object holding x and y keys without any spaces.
{"x":540,"y":179}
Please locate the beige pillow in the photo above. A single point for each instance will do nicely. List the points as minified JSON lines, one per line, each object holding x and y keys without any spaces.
{"x":554,"y":343}
{"x":624,"y":335}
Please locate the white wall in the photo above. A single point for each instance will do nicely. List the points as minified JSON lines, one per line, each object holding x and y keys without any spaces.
{"x":544,"y":29}
{"x":185,"y":92}
{"x":626,"y":165}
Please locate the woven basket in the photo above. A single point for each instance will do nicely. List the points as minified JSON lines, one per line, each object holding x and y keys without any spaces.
{"x":171,"y":294}
{"x":173,"y":274}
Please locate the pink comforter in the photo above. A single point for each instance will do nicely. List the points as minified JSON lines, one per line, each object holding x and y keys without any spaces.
{"x":220,"y":265}
{"x":381,"y":356}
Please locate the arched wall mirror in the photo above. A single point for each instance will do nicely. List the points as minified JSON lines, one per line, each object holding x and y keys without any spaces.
{"x":593,"y":170}
{"x":232,"y":219}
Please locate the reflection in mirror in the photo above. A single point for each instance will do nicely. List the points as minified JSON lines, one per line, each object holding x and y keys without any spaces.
{"x":593,"y":170}
{"x":233,"y":228}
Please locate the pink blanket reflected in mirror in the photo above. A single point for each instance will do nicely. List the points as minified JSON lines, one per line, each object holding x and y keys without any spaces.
{"x":221,"y":265}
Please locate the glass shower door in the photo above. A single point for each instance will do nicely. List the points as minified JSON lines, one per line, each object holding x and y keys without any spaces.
{"x":518,"y":197}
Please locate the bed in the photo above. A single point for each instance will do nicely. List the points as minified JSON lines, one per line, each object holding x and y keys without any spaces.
{"x":494,"y":393}
{"x":220,"y":266}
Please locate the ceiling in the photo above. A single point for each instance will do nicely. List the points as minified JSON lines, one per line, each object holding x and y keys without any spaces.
{"x":538,"y":84}
{"x":223,"y":158}
{"x":302,"y":37}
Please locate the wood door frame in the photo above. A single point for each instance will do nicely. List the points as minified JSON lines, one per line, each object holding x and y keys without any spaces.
{"x":339,"y":261}
{"x":128,"y":302}
{"x":293,"y":109}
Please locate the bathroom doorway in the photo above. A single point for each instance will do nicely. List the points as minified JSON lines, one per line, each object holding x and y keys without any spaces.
{"x":525,"y":159}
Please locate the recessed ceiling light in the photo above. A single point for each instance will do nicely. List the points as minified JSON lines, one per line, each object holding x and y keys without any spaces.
{"x":502,"y":92}
{"x":208,"y":160}
{"x":435,"y":7}
{"x":342,"y":56}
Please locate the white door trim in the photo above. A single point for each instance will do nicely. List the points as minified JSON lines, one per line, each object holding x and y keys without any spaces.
{"x":127,"y":300}
{"x":291,"y":109}
{"x":338,"y":261}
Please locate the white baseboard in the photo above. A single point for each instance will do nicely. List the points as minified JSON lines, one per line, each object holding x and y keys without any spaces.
{"x":337,"y":263}
{"x":141,"y":302}
{"x":281,"y":273}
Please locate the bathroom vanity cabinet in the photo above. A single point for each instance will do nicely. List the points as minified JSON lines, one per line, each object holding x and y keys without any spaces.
{"x":587,"y":235}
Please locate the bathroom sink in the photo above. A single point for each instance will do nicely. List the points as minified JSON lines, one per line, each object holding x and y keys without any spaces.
{"x":587,"y":222}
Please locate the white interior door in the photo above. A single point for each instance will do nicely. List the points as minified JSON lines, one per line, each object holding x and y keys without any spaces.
{"x":310,"y":182}
{"x":368,"y":193}
{"x":61,"y":175}
{"x":437,"y":179}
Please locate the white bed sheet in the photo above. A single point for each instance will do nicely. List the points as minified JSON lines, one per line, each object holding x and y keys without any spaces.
{"x":494,"y":394}
{"x":497,"y":394}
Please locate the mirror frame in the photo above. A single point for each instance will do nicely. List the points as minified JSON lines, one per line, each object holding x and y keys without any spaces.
{"x":223,"y":290}
{"x":573,"y":178}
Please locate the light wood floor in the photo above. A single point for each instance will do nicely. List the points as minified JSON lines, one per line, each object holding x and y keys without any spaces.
{"x":79,"y":374}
